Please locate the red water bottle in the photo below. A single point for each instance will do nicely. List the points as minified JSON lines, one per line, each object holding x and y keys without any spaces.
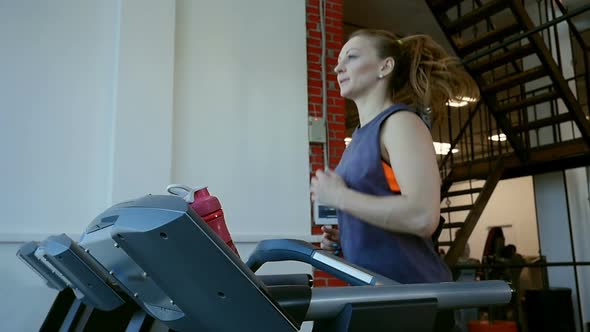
{"x":208,"y":207}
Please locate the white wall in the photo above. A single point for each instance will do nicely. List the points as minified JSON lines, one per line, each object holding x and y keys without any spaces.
{"x":56,"y":97}
{"x":24,"y":299}
{"x":56,"y":109}
{"x":86,"y":113}
{"x":106,"y":100}
{"x":578,"y":202}
{"x":141,"y":146}
{"x":240,"y":124}
{"x":512,"y":203}
{"x":561,"y":199}
{"x":86,"y":121}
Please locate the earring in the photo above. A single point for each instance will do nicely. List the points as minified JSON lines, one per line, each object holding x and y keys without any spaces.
{"x":380,"y":76}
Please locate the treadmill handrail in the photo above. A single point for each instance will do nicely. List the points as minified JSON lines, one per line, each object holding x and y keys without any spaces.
{"x":297,"y":250}
{"x":326,"y":302}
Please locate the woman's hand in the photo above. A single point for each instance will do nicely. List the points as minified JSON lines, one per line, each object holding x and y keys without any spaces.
{"x":327,"y":187}
{"x":330,"y":239}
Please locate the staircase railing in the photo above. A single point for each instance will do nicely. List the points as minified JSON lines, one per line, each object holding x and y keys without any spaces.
{"x":570,"y":51}
{"x":474,"y":136}
{"x":473,"y":133}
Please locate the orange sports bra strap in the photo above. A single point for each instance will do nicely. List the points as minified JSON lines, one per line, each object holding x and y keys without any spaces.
{"x":390,"y":176}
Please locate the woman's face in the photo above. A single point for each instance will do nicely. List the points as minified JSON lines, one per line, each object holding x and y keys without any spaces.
{"x":358,"y":67}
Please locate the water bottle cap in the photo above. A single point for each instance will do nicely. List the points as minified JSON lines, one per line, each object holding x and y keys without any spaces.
{"x":186,"y":192}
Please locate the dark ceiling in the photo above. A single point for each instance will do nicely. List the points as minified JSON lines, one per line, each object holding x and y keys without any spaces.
{"x":414,"y":16}
{"x":411,"y":17}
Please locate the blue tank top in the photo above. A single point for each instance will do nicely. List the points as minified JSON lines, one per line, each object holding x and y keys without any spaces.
{"x":402,"y":257}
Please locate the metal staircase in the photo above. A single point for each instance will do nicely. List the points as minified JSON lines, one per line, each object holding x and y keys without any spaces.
{"x":475,"y":209}
{"x":519,"y":67}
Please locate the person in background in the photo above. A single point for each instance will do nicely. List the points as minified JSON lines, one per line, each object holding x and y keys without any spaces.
{"x":386,"y":186}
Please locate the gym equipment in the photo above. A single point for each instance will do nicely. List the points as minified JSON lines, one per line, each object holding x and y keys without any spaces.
{"x":153,"y":264}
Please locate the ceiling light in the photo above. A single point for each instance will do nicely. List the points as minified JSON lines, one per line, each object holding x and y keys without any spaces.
{"x":443,"y":148}
{"x":460,"y":101}
{"x":456,"y":103}
{"x":468,"y":99}
{"x":497,"y":138}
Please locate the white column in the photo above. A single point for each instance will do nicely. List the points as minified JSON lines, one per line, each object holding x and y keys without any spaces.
{"x":240,"y":118}
{"x":142,"y":138}
{"x":552,"y":201}
{"x":579,"y":209}
{"x":85,"y":121}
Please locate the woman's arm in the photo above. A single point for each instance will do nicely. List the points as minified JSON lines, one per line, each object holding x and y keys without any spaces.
{"x":416,"y":211}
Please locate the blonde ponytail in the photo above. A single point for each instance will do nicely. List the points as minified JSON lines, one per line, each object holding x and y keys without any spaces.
{"x":425,"y":76}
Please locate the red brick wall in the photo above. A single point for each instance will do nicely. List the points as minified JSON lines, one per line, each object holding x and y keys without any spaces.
{"x":323,"y":279}
{"x":336,"y":111}
{"x":335,"y":104}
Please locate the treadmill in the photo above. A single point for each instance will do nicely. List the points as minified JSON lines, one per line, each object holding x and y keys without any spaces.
{"x":152,"y":264}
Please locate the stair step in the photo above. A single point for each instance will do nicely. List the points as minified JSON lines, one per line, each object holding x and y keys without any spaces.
{"x":528,"y":102}
{"x":443,"y":5}
{"x":453,"y":225}
{"x":559,"y":118}
{"x":502,"y":59}
{"x":447,"y":182}
{"x":456,"y":208}
{"x":463,"y":192}
{"x":516,"y":79}
{"x":489,"y":38}
{"x":445,"y":243}
{"x":488,"y":9}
